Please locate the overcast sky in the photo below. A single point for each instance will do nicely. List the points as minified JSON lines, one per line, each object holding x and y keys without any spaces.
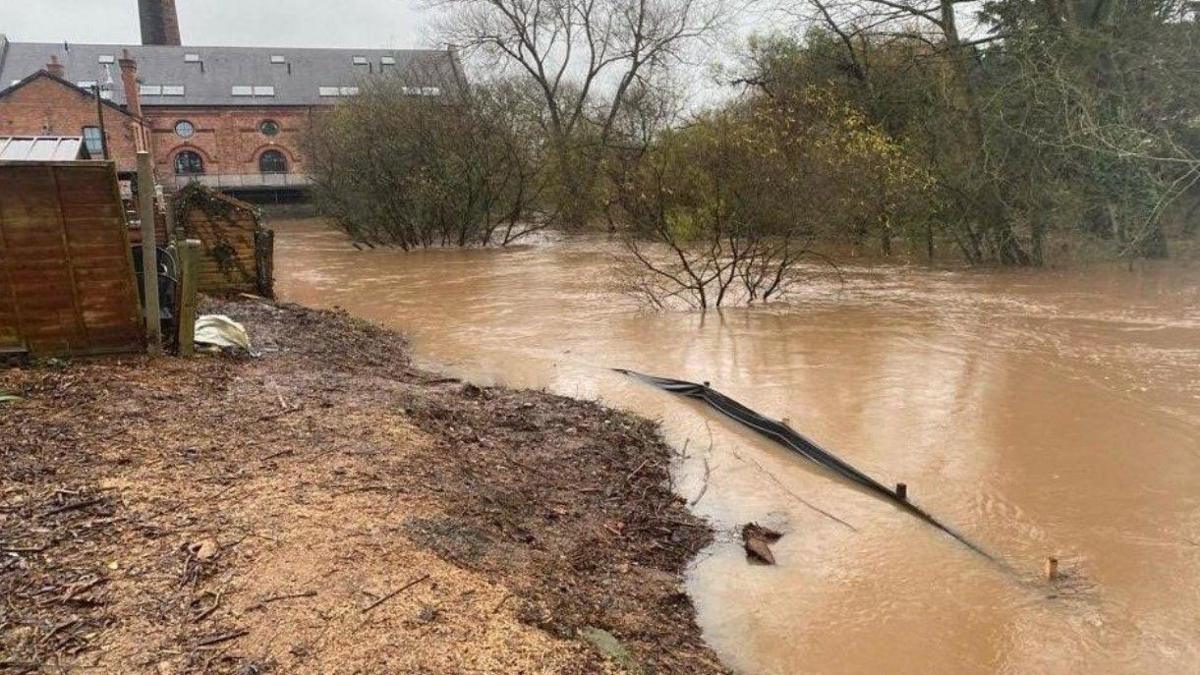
{"x":265,"y":23}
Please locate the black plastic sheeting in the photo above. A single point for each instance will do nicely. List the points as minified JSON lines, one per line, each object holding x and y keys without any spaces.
{"x":792,"y":440}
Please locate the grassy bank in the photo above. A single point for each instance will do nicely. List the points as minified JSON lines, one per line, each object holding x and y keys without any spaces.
{"x":328,"y":508}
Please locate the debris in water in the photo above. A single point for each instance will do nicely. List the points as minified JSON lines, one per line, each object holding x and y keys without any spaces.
{"x":756,"y":538}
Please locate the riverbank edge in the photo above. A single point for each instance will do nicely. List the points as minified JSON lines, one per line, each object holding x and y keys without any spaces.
{"x":151,"y":509}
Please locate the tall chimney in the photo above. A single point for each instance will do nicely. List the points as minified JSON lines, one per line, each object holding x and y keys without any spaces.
{"x":133,"y":94}
{"x":55,"y":68}
{"x":160,"y":22}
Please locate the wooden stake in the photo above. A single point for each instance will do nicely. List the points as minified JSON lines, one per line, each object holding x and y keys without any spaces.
{"x":189,"y":271}
{"x":1051,"y":568}
{"x":902,"y":491}
{"x":149,"y":253}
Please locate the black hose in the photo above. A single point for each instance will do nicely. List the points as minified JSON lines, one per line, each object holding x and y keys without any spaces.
{"x":792,"y":440}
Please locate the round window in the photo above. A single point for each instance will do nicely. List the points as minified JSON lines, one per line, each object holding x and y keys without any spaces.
{"x":184,"y":129}
{"x":269,"y":127}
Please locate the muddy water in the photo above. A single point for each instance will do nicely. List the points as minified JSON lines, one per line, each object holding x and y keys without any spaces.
{"x":1042,"y":414}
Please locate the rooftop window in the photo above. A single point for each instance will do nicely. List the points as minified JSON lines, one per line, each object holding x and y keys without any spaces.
{"x":191,"y":58}
{"x":360,"y":60}
{"x":150,"y":90}
{"x":388,"y":60}
{"x":264,"y":91}
{"x":86,"y":84}
{"x":323,"y":91}
{"x":349,"y":91}
{"x":107,"y":58}
{"x":242,"y":90}
{"x":278,"y":58}
{"x":172,"y":90}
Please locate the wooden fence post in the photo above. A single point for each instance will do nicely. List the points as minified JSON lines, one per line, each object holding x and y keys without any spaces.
{"x":149,"y":252}
{"x":189,"y":271}
{"x":264,"y":262}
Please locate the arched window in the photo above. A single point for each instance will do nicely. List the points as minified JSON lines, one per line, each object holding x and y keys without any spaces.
{"x":188,"y":163}
{"x":272,"y":161}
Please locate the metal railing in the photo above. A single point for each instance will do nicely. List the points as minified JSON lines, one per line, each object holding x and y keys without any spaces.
{"x":243,"y":180}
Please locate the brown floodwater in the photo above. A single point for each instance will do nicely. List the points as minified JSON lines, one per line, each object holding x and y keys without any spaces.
{"x":1040,"y":413}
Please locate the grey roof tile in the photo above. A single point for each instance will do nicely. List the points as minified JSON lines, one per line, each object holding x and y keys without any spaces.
{"x":210,"y":80}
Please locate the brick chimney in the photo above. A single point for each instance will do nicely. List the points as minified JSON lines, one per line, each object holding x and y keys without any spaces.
{"x":55,"y":68}
{"x":133,"y":96}
{"x":160,"y":22}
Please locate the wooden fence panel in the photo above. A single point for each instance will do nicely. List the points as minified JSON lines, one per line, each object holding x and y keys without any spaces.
{"x":67,"y":275}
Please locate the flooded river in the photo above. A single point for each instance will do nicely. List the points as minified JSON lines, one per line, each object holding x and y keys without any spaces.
{"x":1052,"y":413}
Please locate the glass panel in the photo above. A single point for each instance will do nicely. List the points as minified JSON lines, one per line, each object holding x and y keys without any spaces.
{"x":272,"y":161}
{"x":188,"y":163}
{"x":93,"y":142}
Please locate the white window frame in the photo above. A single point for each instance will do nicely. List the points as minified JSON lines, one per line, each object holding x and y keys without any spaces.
{"x":328,"y":91}
{"x":241,"y":90}
{"x":150,"y":90}
{"x":191,"y":58}
{"x":387,"y":60}
{"x":264,"y":90}
{"x":278,"y":58}
{"x":349,"y":91}
{"x":173,"y":90}
{"x":107,"y":58}
{"x":359,"y":60}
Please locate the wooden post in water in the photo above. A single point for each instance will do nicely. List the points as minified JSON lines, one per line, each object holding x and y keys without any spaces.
{"x":902,"y":491}
{"x":149,"y":252}
{"x":189,"y":274}
{"x":1051,"y":568}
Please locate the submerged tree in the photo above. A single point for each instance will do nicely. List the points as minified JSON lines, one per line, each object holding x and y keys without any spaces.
{"x":723,"y":211}
{"x":396,"y":166}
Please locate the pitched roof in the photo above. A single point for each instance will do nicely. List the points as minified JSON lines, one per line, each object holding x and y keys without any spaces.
{"x":7,"y":87}
{"x":209,"y":75}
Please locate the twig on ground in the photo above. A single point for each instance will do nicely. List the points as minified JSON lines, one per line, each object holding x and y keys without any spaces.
{"x":217,"y":639}
{"x":71,"y":507}
{"x":394,"y":593}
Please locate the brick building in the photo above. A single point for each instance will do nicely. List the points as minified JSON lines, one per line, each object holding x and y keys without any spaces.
{"x":230,"y":117}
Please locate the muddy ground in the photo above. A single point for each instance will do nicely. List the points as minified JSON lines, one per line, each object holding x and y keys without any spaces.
{"x":327,"y":508}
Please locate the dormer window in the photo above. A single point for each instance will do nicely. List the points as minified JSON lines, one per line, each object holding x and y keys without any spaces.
{"x":360,"y":60}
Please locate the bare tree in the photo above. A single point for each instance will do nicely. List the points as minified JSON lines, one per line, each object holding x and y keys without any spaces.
{"x":584,"y":58}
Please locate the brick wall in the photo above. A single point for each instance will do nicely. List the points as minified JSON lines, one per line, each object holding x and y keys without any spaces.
{"x":230,"y":140}
{"x":47,"y":107}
